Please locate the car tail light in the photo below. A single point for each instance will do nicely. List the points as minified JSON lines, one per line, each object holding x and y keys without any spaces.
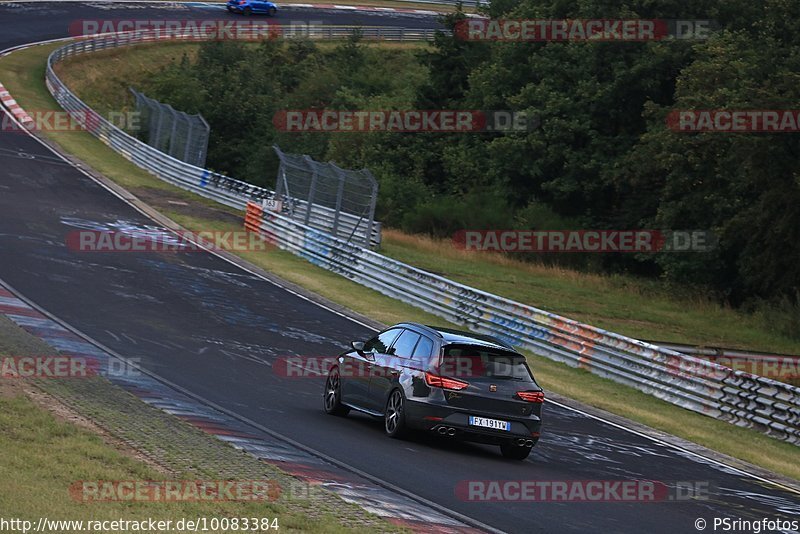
{"x":242,"y":2}
{"x":436,"y":381}
{"x":531,"y":396}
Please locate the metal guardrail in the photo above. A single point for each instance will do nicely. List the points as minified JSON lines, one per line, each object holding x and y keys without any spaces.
{"x":218,"y":187}
{"x":742,"y":399}
{"x":739,"y":398}
{"x":711,"y":351}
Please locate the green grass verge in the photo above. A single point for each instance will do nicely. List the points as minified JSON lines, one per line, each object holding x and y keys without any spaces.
{"x":615,"y":303}
{"x":634,"y":307}
{"x":44,"y":455}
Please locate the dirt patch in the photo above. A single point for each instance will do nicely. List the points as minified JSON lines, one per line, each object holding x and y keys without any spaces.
{"x":64,"y":413}
{"x":177,"y":203}
{"x":16,"y":342}
{"x":10,"y":388}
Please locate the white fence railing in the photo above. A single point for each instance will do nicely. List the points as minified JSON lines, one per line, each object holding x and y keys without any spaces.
{"x":740,"y":398}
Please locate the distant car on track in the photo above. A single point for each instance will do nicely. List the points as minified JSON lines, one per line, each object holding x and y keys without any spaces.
{"x":456,"y":384}
{"x":252,"y":7}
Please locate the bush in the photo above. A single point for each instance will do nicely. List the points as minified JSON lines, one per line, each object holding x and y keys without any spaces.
{"x":443,"y":216}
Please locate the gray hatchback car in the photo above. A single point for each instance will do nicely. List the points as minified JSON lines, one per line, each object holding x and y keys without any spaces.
{"x":456,"y":384}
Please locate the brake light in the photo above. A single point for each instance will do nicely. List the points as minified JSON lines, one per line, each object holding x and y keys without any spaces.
{"x":242,"y":2}
{"x":436,"y":381}
{"x":531,"y":396}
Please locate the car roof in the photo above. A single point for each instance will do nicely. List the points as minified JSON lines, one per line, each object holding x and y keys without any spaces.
{"x":450,"y":336}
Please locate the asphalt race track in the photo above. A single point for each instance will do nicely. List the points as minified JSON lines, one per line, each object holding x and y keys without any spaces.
{"x":214,"y":329}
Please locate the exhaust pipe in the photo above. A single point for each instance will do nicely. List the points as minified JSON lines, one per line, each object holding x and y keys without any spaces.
{"x":451,"y":431}
{"x":442,"y":430}
{"x":520,"y":442}
{"x":529,"y":443}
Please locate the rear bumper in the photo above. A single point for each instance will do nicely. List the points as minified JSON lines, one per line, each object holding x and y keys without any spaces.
{"x":431,"y":417}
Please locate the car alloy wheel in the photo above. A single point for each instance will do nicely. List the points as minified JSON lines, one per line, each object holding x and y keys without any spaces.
{"x":395,"y":417}
{"x":333,"y":394}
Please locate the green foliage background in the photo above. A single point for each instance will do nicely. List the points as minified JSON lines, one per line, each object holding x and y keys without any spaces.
{"x":602,"y":156}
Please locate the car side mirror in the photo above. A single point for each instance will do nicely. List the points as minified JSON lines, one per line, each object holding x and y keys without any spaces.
{"x":358,"y":346}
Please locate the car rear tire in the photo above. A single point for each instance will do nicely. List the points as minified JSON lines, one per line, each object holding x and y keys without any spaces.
{"x":394,"y":419}
{"x":271,"y":11}
{"x":333,"y":394}
{"x":514,"y":452}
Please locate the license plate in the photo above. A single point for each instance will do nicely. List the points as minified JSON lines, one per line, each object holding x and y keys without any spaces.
{"x":494,"y":424}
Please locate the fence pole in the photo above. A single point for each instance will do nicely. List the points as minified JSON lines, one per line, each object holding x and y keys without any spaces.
{"x":188,"y":141}
{"x":201,"y":157}
{"x":155,"y":140}
{"x":173,"y":131}
{"x":372,"y":203}
{"x":339,"y":194}
{"x":312,"y":191}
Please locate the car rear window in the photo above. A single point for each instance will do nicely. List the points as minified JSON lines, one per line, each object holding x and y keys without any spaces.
{"x":471,"y":362}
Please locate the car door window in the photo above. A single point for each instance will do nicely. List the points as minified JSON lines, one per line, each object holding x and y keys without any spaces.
{"x":404,"y":346}
{"x":382,"y":342}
